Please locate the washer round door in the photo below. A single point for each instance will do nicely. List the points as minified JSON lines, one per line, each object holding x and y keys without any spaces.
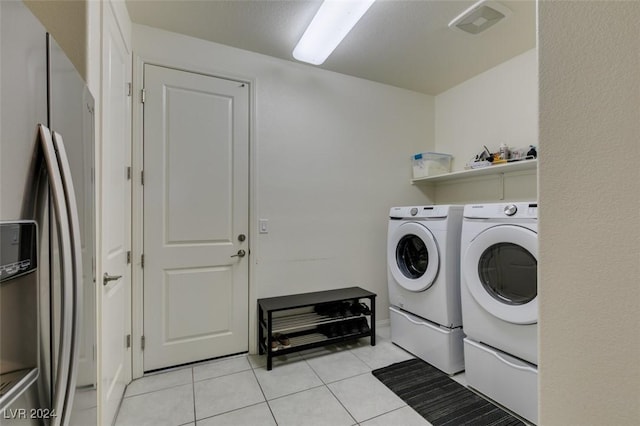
{"x":412,"y":255}
{"x":500,"y":269}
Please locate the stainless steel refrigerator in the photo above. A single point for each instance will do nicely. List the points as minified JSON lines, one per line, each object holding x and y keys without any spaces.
{"x":47,"y":230}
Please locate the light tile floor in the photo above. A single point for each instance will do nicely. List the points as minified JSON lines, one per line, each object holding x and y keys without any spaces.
{"x":325,"y":386}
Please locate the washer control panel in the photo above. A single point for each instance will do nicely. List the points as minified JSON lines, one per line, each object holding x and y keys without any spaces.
{"x":434,"y":212}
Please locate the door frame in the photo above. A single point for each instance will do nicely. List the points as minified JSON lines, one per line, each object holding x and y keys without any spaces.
{"x":137,"y":159}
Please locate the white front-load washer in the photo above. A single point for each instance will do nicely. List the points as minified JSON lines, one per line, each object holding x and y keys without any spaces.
{"x":423,"y":251}
{"x":499,"y":294}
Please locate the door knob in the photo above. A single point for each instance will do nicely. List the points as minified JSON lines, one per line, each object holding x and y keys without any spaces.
{"x":106,"y":278}
{"x":241,"y":253}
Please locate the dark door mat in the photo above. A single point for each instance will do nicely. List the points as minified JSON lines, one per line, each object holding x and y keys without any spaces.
{"x":440,"y":399}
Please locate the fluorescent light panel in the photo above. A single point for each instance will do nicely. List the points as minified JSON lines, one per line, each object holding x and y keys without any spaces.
{"x":329,"y":27}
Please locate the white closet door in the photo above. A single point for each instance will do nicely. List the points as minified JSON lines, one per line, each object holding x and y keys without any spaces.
{"x":116,"y":216}
{"x":196,"y":191}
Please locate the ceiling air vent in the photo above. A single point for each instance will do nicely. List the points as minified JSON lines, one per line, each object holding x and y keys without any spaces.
{"x":482,"y":15}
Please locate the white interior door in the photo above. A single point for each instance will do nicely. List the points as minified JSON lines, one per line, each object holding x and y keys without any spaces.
{"x":196,"y":191}
{"x":116,"y":216}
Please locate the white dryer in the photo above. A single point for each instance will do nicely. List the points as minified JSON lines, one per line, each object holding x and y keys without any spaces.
{"x":499,"y":293}
{"x":423,"y":252}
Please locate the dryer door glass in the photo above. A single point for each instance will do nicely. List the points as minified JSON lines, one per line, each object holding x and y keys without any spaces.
{"x":508,"y":272}
{"x":412,"y":256}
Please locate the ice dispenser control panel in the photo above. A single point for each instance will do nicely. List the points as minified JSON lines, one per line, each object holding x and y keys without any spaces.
{"x":18,"y":249}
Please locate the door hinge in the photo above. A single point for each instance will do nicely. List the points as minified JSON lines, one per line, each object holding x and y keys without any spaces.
{"x":129,"y":89}
{"x":129,"y":173}
{"x":128,"y":257}
{"x":142,"y":177}
{"x":128,"y":340}
{"x":142,"y":260}
{"x":142,"y":343}
{"x":143,"y":95}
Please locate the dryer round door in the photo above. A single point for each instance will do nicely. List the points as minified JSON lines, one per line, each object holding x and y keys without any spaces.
{"x":412,"y":256}
{"x":500,"y":270}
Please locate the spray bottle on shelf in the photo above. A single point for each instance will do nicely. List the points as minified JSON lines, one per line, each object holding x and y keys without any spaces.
{"x":504,"y":151}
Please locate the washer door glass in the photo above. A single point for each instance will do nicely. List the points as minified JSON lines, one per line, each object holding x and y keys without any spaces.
{"x":499,"y":268}
{"x":509,"y":273}
{"x":412,"y":256}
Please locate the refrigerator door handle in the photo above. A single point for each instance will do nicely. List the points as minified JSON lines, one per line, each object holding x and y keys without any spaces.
{"x":76,"y":260}
{"x":64,"y":241}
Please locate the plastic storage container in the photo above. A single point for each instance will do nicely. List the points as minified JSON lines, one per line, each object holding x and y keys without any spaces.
{"x":431,"y":164}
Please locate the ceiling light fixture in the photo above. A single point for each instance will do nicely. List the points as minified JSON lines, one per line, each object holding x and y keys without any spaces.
{"x":329,"y":27}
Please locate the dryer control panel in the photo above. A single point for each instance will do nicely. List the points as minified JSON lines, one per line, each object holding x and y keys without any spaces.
{"x":502,"y":211}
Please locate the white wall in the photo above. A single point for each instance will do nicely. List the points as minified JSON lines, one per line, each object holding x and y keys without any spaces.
{"x":589,"y":260}
{"x":331,"y":161}
{"x":332,"y":155}
{"x":499,"y":105}
{"x":67,"y":22}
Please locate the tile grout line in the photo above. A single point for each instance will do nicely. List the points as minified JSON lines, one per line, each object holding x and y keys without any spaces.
{"x":365,"y":420}
{"x":296,"y":392}
{"x":383,"y":414}
{"x":193,"y":389}
{"x":292,"y":393}
{"x":193,"y":380}
{"x":314,"y":371}
{"x":231,"y":411}
{"x":253,"y":369}
{"x":342,"y":405}
{"x":115,"y":418}
{"x":155,"y":390}
{"x":343,"y":378}
{"x":293,"y":356}
{"x":356,"y":355}
{"x":234,"y":409}
{"x":375,"y":368}
{"x":222,"y":375}
{"x":331,"y":392}
{"x":263,"y":394}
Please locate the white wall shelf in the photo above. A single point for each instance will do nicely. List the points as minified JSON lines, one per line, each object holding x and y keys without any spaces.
{"x":500,"y":169}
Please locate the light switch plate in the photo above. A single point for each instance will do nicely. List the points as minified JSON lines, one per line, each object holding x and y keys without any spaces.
{"x":263,"y":226}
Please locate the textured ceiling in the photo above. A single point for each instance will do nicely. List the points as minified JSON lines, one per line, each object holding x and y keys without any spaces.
{"x":401,"y":43}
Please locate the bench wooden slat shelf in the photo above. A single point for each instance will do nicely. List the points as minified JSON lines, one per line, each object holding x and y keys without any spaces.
{"x":303,"y":329}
